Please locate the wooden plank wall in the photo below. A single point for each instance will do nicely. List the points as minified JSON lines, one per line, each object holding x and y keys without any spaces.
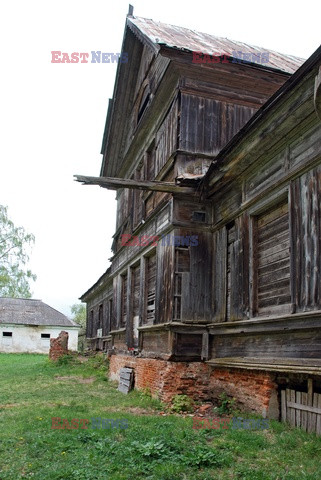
{"x":272,"y":265}
{"x":207,"y":125}
{"x":306,"y":213}
{"x":166,"y":139}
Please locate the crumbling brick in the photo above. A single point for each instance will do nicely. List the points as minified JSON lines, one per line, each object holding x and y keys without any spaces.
{"x":59,"y":346}
{"x":253,"y":390}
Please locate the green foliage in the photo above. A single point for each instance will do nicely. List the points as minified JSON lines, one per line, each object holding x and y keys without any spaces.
{"x":66,"y":360}
{"x":14,"y":246}
{"x":226,"y":404}
{"x":78,"y":311}
{"x":181,"y":403}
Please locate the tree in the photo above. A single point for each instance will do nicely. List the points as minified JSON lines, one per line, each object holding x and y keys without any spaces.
{"x":15,"y":243}
{"x":78,"y":311}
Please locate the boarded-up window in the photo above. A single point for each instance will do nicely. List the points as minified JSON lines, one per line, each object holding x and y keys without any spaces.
{"x":273,"y":261}
{"x":231,"y":237}
{"x":150,"y":289}
{"x":123,"y":318}
{"x":136,"y":304}
{"x":182,"y":268}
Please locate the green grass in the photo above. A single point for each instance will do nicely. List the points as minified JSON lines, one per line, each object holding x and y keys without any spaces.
{"x":153,"y":447}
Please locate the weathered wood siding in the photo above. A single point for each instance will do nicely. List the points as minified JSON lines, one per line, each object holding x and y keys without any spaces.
{"x":272,"y":261}
{"x":306,"y":212}
{"x":206,"y":124}
{"x":150,"y":279}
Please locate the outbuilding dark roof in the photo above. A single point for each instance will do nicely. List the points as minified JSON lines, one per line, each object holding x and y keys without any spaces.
{"x":22,"y":311}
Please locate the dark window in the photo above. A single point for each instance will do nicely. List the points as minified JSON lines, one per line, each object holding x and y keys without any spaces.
{"x":7,"y":334}
{"x":199,"y":217}
{"x":45,"y":335}
{"x":143,"y":103}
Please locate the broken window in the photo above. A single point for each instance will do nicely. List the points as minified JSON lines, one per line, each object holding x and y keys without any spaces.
{"x":150,"y":289}
{"x":181,"y":278}
{"x":100,"y":321}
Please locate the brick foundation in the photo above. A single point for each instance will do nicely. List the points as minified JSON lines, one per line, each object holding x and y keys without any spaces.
{"x":254,"y":391}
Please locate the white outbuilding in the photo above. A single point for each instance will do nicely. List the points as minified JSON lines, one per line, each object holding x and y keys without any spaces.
{"x":26,"y":326}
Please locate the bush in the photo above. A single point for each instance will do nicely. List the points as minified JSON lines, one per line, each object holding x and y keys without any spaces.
{"x":226,"y":404}
{"x":181,"y":403}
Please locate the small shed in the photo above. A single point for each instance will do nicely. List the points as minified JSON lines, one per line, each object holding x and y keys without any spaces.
{"x":26,"y":326}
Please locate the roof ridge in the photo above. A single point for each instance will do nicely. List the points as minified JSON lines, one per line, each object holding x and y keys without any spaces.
{"x":237,"y":42}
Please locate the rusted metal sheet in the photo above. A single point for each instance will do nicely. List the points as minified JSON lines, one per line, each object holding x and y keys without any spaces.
{"x":190,"y":40}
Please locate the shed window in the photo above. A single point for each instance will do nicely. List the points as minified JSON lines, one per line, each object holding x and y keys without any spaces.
{"x":45,"y":335}
{"x":7,"y":338}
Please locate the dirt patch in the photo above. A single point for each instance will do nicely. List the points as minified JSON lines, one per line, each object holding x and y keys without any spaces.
{"x":133,"y":410}
{"x":10,"y":405}
{"x":74,"y":378}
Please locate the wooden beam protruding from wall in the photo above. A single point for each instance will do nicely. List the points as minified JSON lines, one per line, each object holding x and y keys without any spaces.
{"x":115,"y":183}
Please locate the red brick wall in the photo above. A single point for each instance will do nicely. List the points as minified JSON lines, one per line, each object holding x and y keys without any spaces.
{"x":255,"y":391}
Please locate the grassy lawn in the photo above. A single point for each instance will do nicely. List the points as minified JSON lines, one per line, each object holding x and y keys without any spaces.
{"x":153,"y":447}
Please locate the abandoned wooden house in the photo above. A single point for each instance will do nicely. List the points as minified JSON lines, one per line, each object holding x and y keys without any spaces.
{"x":214,"y":283}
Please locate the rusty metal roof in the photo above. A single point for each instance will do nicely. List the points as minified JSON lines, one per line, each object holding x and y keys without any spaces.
{"x":190,"y":40}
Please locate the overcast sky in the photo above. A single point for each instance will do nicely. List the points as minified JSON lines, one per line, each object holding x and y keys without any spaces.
{"x":53,"y":115}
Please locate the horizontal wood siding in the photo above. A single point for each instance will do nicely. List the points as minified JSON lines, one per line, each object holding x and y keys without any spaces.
{"x":273,"y":261}
{"x":287,"y":344}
